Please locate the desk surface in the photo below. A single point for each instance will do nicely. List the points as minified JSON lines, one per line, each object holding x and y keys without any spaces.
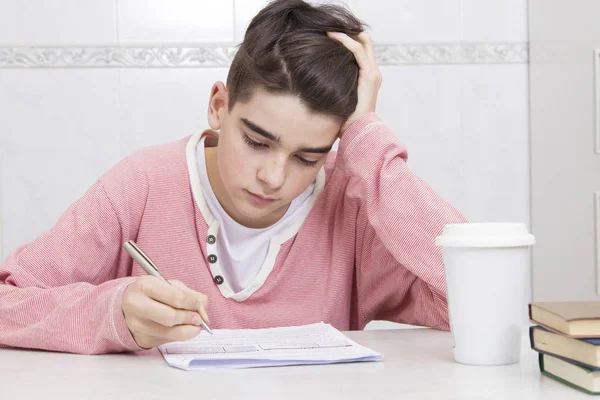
{"x":418,"y":363}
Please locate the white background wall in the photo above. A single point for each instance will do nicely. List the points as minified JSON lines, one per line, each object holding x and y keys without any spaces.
{"x":464,"y":120}
{"x":565,"y":167}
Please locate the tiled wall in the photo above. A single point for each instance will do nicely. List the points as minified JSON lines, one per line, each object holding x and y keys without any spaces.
{"x":74,"y":100}
{"x":565,"y":156}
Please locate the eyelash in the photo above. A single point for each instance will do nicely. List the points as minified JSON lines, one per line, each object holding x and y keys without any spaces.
{"x":261,"y":146}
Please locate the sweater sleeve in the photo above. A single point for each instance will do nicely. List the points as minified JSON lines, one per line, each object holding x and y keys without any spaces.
{"x":400,"y":271}
{"x":63,"y":291}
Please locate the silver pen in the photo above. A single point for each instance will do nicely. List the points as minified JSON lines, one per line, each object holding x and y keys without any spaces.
{"x":151,"y":269}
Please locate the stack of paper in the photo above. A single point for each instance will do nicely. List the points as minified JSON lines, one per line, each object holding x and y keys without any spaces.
{"x":246,"y":348}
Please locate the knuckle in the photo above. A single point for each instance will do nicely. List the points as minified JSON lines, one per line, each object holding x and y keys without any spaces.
{"x":129,"y":302}
{"x":143,"y":283}
{"x":203,"y":299}
{"x":179,"y":299}
{"x":355,"y":47}
{"x":170,"y":318}
{"x":374,"y":76}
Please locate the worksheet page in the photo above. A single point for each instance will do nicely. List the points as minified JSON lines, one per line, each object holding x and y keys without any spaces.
{"x":244,"y":348}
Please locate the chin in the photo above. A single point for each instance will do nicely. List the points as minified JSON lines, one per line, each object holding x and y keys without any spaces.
{"x":250,"y":211}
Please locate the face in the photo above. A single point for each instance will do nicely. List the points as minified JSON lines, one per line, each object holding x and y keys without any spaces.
{"x":270,"y":150}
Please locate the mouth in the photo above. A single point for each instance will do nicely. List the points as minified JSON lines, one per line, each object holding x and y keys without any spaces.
{"x":259,"y":199}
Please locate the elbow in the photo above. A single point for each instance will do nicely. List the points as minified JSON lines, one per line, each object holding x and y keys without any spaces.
{"x":438,"y":314}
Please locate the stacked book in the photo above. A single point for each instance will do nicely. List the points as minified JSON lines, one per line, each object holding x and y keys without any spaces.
{"x":567,"y":338}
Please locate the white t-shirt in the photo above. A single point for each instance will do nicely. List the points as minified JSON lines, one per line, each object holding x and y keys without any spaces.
{"x":241,"y":251}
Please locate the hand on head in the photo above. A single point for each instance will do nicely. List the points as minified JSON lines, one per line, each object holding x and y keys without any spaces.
{"x":369,"y":76}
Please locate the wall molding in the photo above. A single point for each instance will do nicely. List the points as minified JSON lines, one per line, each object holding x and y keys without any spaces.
{"x":215,"y":56}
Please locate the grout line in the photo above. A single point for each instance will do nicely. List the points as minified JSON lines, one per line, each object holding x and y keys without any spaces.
{"x":119,"y":115}
{"x":235,"y":38}
{"x":530,"y":186}
{"x":462,"y":18}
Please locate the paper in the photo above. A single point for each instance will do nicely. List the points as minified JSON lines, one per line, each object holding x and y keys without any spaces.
{"x":247,"y":348}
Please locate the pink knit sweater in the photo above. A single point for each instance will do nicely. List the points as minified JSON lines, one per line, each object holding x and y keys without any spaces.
{"x":365,"y":251}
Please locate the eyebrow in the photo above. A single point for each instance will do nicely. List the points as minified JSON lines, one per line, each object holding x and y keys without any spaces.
{"x":270,"y":136}
{"x":260,"y":130}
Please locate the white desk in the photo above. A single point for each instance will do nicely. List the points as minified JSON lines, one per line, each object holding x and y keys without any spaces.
{"x":418,"y":364}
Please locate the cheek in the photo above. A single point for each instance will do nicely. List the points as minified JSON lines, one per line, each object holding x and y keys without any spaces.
{"x":235,"y":162}
{"x":299,"y":180}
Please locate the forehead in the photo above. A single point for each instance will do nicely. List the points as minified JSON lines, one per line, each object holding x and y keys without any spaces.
{"x":287,"y":117}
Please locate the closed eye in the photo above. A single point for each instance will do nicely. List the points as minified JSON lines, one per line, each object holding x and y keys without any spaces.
{"x":254,"y":143}
{"x":306,"y":162}
{"x":262,"y":146}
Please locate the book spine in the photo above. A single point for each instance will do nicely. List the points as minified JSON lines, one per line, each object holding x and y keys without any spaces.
{"x":561,"y":380}
{"x":531,"y":330}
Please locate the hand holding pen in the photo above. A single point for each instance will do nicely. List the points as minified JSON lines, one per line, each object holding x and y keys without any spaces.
{"x":158,"y":311}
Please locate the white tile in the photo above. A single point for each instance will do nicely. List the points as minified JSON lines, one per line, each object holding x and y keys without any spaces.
{"x":495,"y":144}
{"x":60,"y":135}
{"x":559,"y":22}
{"x":245,"y":10}
{"x":421,"y":106}
{"x":185,"y":21}
{"x":493,"y":20}
{"x":162,"y":105}
{"x":56,"y":22}
{"x":404,"y":21}
{"x":466,"y":130}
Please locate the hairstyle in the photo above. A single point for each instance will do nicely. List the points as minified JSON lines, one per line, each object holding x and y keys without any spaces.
{"x":286,"y":51}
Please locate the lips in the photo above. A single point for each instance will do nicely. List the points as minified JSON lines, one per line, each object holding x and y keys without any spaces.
{"x":259,"y":199}
{"x":263,"y":197}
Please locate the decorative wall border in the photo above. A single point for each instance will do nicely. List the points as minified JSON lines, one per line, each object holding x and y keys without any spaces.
{"x":214,"y":56}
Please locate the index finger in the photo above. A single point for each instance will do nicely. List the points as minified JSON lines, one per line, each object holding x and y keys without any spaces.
{"x":354,"y":46}
{"x":367,"y":42}
{"x":171,"y":295}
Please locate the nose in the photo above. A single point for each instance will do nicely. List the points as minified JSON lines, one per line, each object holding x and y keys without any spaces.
{"x":272,"y":173}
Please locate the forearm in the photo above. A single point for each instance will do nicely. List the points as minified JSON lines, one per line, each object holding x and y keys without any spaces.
{"x":77,"y":318}
{"x":404,"y":211}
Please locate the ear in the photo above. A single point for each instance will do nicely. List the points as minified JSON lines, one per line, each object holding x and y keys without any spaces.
{"x":217,"y":105}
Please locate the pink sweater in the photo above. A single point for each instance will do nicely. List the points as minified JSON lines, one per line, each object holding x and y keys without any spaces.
{"x":365,"y":251}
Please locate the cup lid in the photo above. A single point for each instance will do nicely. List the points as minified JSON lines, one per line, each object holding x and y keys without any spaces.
{"x":489,"y":234}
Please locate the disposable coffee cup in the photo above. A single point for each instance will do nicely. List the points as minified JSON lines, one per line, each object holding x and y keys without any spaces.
{"x":487,"y":269}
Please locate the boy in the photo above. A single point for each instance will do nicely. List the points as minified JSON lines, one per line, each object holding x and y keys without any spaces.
{"x":255,"y":215}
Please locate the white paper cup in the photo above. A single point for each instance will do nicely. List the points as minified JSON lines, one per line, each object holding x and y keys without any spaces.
{"x":487,"y":269}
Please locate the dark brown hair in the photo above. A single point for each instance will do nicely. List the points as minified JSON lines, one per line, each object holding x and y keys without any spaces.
{"x":286,"y":51}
